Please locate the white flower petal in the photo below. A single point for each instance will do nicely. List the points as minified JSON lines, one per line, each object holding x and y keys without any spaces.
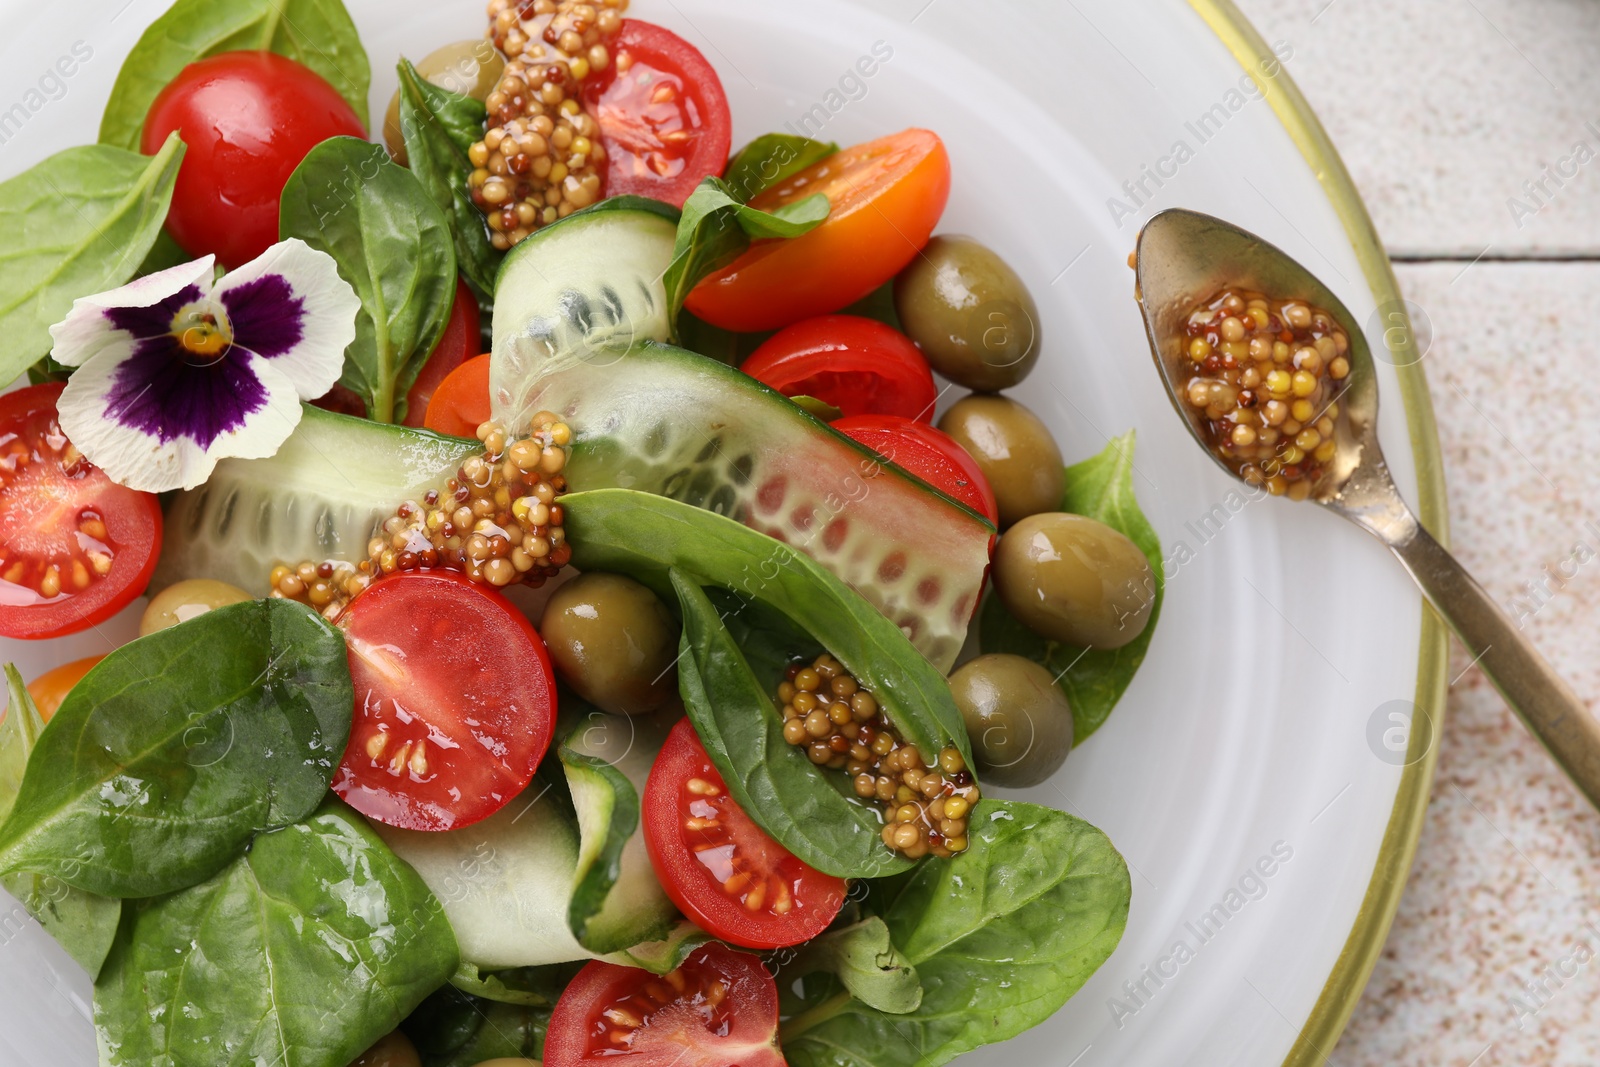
{"x":290,"y":307}
{"x":89,"y":328}
{"x":137,"y":457}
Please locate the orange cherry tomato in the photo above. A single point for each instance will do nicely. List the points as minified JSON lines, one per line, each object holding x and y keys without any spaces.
{"x":887,"y":196}
{"x":51,"y":688}
{"x":461,"y":403}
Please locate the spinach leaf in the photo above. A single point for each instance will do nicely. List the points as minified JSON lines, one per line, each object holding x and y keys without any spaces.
{"x":81,"y":923}
{"x":1001,"y":936}
{"x":317,"y":33}
{"x":393,"y":245}
{"x":771,"y":160}
{"x":716,"y":228}
{"x":645,"y":535}
{"x":454,"y":1029}
{"x":866,"y":963}
{"x":167,"y":757}
{"x":76,"y":224}
{"x":528,"y":986}
{"x":302,"y":953}
{"x":1094,"y":680}
{"x":774,"y":781}
{"x":439,"y":128}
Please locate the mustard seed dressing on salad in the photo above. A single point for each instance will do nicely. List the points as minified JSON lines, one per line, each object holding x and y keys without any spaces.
{"x":541,"y":158}
{"x":925,"y":805}
{"x":1267,"y":373}
{"x":497,"y":521}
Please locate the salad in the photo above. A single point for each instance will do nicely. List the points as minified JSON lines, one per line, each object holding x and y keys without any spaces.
{"x":571,"y":636}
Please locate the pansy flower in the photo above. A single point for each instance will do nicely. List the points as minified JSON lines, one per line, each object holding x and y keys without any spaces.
{"x":178,"y":369}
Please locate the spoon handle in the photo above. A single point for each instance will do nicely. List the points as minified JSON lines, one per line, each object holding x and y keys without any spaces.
{"x":1551,"y":711}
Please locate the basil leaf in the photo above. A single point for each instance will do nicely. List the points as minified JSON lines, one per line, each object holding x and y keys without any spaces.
{"x":716,"y":227}
{"x":866,"y":963}
{"x":803,"y":807}
{"x":316,"y":33}
{"x":453,"y":1029}
{"x":772,"y":160}
{"x":1001,"y":936}
{"x":393,"y":245}
{"x":76,"y":224}
{"x":176,"y":749}
{"x":645,"y":535}
{"x":83,"y":924}
{"x":439,"y":128}
{"x":304,"y":952}
{"x":1094,"y":680}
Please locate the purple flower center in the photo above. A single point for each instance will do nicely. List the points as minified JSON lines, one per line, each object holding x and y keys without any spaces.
{"x":189,"y":375}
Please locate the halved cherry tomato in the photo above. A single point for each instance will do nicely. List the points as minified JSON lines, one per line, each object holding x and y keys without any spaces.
{"x":455,"y":702}
{"x":663,"y":117}
{"x":249,"y":118}
{"x":720,"y":1009}
{"x":860,"y":366}
{"x":462,"y":341}
{"x":51,"y":688}
{"x":75,"y":547}
{"x":461,"y":403}
{"x":929,"y":453}
{"x":718,"y":866}
{"x":887,"y":196}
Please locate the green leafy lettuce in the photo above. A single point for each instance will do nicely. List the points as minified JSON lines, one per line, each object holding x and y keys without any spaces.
{"x":76,"y":224}
{"x":863,"y":958}
{"x":716,"y":228}
{"x":393,"y":245}
{"x":304,"y":952}
{"x":1000,"y":936}
{"x":82,"y":923}
{"x":730,"y":703}
{"x":1094,"y":680}
{"x":165,"y":760}
{"x":439,"y":127}
{"x":316,"y":33}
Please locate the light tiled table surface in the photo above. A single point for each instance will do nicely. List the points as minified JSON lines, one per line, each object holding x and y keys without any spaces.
{"x":1443,"y":109}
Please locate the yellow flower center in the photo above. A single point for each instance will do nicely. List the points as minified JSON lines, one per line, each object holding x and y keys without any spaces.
{"x":202,"y":335}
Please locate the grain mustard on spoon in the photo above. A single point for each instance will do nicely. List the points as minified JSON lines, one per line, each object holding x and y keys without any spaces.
{"x":1274,"y":379}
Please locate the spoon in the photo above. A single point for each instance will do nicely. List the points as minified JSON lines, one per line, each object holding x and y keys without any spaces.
{"x":1184,"y":258}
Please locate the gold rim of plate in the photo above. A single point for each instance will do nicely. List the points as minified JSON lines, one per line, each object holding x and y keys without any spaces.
{"x":1348,"y":978}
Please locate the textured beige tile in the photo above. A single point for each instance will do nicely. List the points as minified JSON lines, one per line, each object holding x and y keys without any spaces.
{"x":1442,"y":109}
{"x":1507,"y":878}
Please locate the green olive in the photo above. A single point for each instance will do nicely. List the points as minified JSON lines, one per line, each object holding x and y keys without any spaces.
{"x":614,"y":642}
{"x":471,"y":68}
{"x":1075,"y":580}
{"x":1019,"y":720}
{"x":184,"y":600}
{"x":969,"y":313}
{"x":395,"y":1050}
{"x":1014,"y":450}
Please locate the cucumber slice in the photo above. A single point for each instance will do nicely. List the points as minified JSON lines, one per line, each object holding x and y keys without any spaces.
{"x":504,"y":882}
{"x":586,"y":285}
{"x":541,"y":882}
{"x":323,"y":496}
{"x":662,"y":420}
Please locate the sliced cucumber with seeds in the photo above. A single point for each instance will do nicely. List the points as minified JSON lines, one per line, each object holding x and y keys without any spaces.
{"x":569,"y":302}
{"x":322,"y":497}
{"x":588,"y":285}
{"x":665,"y":421}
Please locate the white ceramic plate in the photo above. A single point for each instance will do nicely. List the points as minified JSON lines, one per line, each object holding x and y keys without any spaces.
{"x":1254,"y":738}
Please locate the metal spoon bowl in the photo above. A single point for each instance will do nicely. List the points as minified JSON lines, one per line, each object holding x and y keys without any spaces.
{"x":1184,"y":258}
